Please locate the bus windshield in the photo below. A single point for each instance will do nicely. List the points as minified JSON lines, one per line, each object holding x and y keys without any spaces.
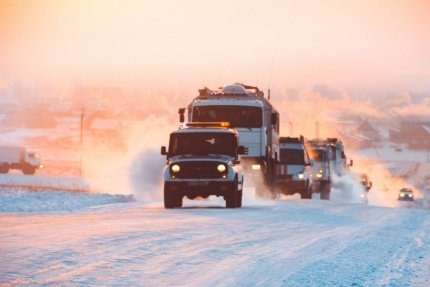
{"x":237,"y":116}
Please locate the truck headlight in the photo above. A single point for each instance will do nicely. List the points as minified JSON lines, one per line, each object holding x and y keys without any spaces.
{"x":319,"y":175}
{"x":301,"y":176}
{"x":176,"y":168}
{"x":256,"y":167}
{"x":221,"y":167}
{"x":402,"y":195}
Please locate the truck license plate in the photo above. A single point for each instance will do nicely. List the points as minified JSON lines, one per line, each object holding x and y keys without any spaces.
{"x":198,"y":183}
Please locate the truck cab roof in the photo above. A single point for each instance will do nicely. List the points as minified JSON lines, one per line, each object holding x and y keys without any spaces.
{"x":205,"y":130}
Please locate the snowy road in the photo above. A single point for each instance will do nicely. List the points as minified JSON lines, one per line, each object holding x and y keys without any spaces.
{"x":283,"y":243}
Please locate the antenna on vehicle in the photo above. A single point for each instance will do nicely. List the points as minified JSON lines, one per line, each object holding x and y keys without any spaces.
{"x":181,"y":115}
{"x":318,"y":130}
{"x":81,"y":140}
{"x":275,"y":49}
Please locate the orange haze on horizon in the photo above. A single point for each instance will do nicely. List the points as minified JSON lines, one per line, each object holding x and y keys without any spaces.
{"x":193,"y":44}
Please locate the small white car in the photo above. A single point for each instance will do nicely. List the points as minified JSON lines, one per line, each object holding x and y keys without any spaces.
{"x":294,"y":168}
{"x":406,"y":194}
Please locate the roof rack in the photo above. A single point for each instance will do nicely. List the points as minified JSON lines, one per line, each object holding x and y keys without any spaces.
{"x":208,"y":124}
{"x":301,"y":139}
{"x":206,"y":92}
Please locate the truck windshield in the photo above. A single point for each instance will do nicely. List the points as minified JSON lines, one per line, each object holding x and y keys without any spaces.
{"x":203,"y":144}
{"x":237,"y":116}
{"x":292,"y":156}
{"x":319,"y":155}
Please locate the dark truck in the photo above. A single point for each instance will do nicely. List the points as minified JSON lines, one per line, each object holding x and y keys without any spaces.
{"x":203,"y":160}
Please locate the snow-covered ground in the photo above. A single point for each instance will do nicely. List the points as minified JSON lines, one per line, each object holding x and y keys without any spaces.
{"x":54,"y":232}
{"x":288,"y":242}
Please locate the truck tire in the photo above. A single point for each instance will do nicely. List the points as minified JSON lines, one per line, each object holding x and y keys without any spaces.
{"x":307,"y":192}
{"x":325,"y":191}
{"x":4,"y":168}
{"x":28,"y":170}
{"x":231,"y":197}
{"x":179,"y":201}
{"x":169,"y":200}
{"x":239,"y":196}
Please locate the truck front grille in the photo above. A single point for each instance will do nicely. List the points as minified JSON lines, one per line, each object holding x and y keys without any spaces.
{"x":198,"y":170}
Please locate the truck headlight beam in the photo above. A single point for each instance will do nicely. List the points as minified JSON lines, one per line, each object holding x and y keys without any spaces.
{"x":221,"y":168}
{"x":256,"y":167}
{"x":176,"y":168}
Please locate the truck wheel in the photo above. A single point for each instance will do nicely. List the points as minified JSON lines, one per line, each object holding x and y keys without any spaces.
{"x":325,"y":191}
{"x":179,"y":200}
{"x":169,"y":200}
{"x":307,"y":192}
{"x":29,"y":170}
{"x":231,"y":197}
{"x":239,"y":196}
{"x":4,"y":168}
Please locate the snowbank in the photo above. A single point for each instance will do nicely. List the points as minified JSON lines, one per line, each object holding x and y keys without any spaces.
{"x":48,"y":182}
{"x":20,"y":200}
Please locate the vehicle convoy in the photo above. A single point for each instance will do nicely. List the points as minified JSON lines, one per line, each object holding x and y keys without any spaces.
{"x":330,"y":159}
{"x":16,"y":157}
{"x":406,"y":194}
{"x":253,"y":116}
{"x":203,"y":160}
{"x":295,"y":167}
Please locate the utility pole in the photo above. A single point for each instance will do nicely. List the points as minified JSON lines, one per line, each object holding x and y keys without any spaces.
{"x":291,"y":128}
{"x":318,"y":130}
{"x":428,"y":150}
{"x":81,"y":146}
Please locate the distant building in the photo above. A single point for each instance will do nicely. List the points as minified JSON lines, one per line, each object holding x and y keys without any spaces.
{"x":106,"y":127}
{"x":363,"y":136}
{"x":366,"y":130}
{"x":415,"y":134}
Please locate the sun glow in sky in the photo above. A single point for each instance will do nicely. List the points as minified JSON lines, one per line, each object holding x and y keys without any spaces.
{"x":194,"y":43}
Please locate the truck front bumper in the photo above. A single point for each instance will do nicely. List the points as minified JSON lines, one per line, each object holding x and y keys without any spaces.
{"x":289,"y":186}
{"x":202,"y":188}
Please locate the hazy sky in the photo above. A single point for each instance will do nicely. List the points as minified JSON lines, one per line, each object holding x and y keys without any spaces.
{"x":191,"y":43}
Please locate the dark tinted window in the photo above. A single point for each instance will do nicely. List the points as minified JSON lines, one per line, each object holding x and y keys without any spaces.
{"x":237,"y":116}
{"x":202,"y":144}
{"x":292,"y":156}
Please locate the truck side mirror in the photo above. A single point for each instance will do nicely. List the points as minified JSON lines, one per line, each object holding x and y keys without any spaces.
{"x":351,"y":162}
{"x":163,"y":150}
{"x":274,"y":119}
{"x":370,"y":184}
{"x":241,"y":149}
{"x":311,"y":162}
{"x":181,"y":115}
